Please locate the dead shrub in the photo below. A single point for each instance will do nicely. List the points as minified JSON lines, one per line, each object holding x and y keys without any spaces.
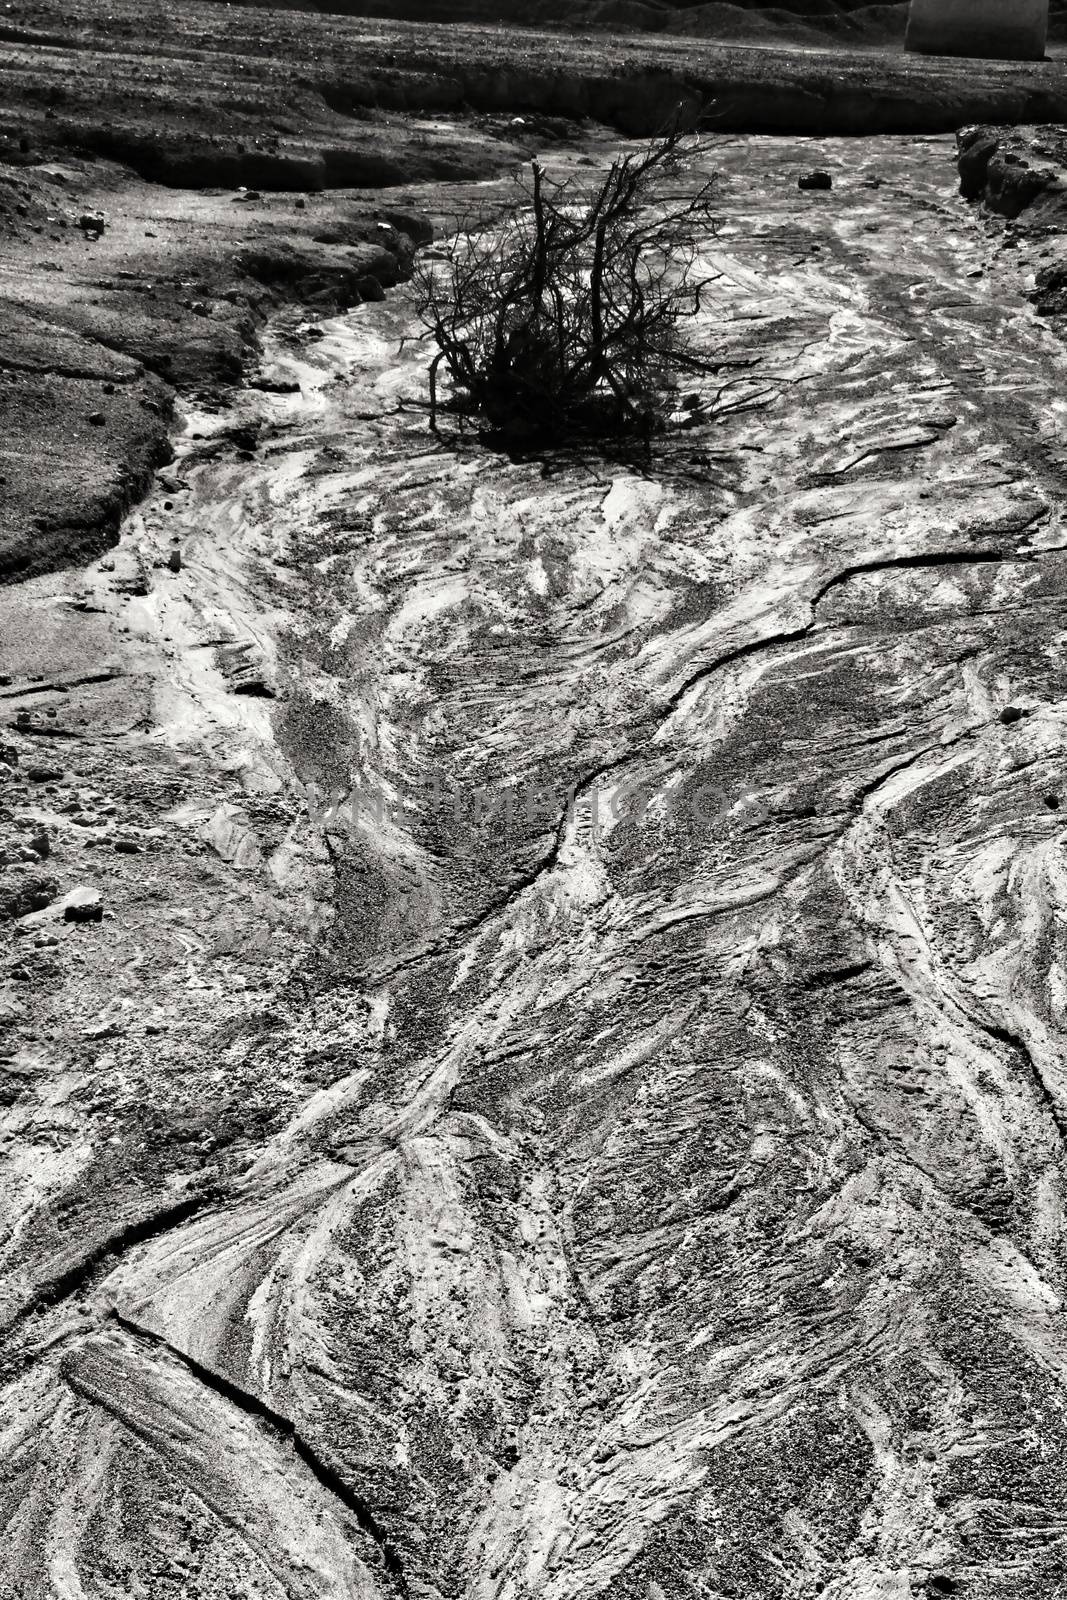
{"x":565,"y":316}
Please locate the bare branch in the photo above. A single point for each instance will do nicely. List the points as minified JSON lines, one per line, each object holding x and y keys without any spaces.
{"x":565,"y":315}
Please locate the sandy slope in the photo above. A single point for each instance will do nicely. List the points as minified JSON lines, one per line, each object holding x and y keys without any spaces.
{"x":655,"y":1187}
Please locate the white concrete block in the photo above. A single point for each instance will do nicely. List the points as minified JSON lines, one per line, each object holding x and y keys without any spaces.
{"x":1011,"y":30}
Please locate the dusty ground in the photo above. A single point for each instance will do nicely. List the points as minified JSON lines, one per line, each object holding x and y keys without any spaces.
{"x":650,"y":1186}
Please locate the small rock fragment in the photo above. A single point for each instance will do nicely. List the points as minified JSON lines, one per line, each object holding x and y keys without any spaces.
{"x":815,"y":180}
{"x":83,"y":905}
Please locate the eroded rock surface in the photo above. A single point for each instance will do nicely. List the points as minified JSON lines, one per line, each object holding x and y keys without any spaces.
{"x":650,"y":1187}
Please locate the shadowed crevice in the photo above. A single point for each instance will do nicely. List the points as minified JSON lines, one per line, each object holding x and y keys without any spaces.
{"x":284,"y":1427}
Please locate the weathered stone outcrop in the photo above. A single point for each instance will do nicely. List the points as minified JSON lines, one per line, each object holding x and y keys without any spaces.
{"x":1012,"y":170}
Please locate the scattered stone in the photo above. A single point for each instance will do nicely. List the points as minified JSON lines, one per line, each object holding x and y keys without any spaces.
{"x":104,"y":1030}
{"x":83,"y":905}
{"x":275,"y":385}
{"x":127,"y":847}
{"x":43,"y":774}
{"x":97,"y":419}
{"x":815,"y":180}
{"x":246,"y":436}
{"x":174,"y":560}
{"x":1012,"y":714}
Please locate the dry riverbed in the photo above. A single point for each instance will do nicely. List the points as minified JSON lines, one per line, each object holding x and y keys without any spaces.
{"x":538,"y":1065}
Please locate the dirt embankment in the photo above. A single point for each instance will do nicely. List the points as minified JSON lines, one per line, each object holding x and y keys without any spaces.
{"x":99,"y":330}
{"x":146,"y":231}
